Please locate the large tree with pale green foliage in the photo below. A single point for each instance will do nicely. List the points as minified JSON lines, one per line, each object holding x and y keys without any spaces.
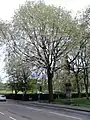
{"x":48,"y":33}
{"x":42,"y":35}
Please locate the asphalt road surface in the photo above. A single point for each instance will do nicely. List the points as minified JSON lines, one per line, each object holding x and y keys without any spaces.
{"x":13,"y":111}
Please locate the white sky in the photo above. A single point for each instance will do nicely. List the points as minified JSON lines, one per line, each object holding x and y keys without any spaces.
{"x":7,"y":8}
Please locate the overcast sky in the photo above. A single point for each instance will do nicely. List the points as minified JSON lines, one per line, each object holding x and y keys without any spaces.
{"x":7,"y":8}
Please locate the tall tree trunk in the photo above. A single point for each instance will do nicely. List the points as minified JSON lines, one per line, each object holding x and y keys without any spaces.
{"x":86,"y":87}
{"x":50,"y":87}
{"x":15,"y":87}
{"x":77,"y":82}
{"x":25,"y":84}
{"x":85,"y":70}
{"x":15,"y":91}
{"x":25,"y":88}
{"x":86,"y":83}
{"x":12,"y":90}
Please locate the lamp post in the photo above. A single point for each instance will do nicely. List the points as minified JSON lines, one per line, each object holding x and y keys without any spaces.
{"x":40,"y":90}
{"x":24,"y":89}
{"x":15,"y":85}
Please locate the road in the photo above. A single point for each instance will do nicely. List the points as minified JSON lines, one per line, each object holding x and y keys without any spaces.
{"x":13,"y":111}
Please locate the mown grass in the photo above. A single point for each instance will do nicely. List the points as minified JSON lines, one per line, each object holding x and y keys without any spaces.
{"x":81,"y":102}
{"x":5,"y":92}
{"x":10,"y":92}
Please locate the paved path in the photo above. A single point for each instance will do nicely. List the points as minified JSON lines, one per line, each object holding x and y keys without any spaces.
{"x":13,"y":111}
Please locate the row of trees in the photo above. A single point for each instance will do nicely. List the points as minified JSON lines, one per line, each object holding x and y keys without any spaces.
{"x":46,"y":38}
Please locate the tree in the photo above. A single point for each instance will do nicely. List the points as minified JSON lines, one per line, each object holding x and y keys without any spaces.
{"x":18,"y":72}
{"x":47,"y":33}
{"x":85,"y":49}
{"x":43,"y":35}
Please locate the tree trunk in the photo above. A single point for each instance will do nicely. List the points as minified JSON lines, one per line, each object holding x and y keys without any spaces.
{"x":77,"y":82}
{"x":86,"y":83}
{"x":25,"y":85}
{"x":25,"y":90}
{"x":86,"y":87}
{"x":15,"y":92}
{"x":12,"y":90}
{"x":50,"y":87}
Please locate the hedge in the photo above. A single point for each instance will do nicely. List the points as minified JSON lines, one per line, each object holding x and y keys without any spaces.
{"x":35,"y":97}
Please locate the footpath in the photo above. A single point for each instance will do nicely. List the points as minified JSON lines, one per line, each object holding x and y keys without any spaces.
{"x":54,"y":106}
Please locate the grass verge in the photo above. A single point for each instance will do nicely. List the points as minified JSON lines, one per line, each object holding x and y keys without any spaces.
{"x":81,"y":102}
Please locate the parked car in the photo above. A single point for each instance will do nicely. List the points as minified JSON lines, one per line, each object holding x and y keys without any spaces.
{"x":2,"y":98}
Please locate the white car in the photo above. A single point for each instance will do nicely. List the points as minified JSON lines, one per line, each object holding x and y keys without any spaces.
{"x":2,"y":98}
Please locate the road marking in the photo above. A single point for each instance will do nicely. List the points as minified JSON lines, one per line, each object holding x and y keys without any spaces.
{"x":67,"y":116}
{"x":31,"y":108}
{"x":12,"y":118}
{"x":1,"y":113}
{"x":42,"y":110}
